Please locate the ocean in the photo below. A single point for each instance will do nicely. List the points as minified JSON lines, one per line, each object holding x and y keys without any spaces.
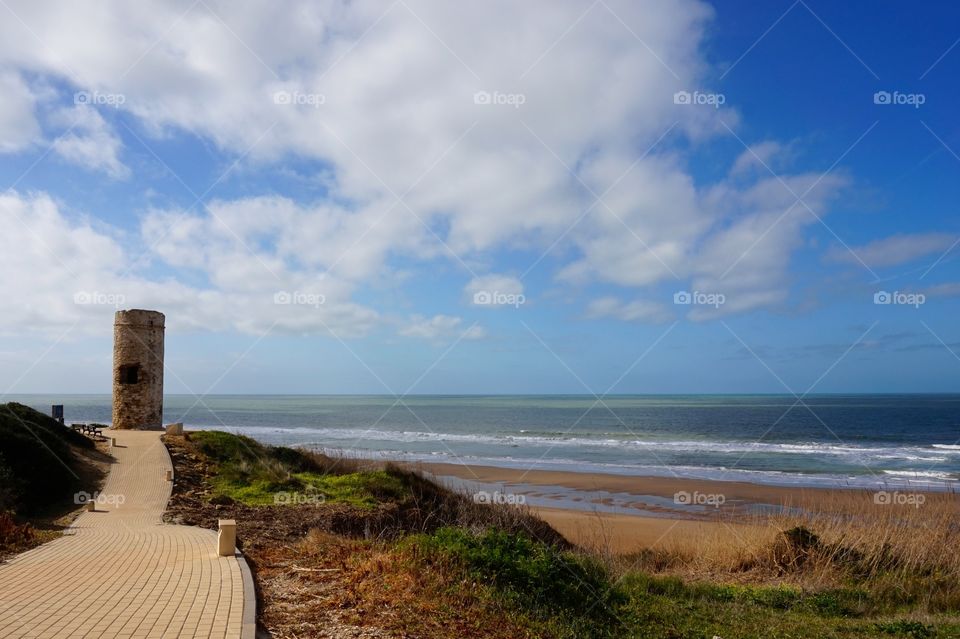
{"x":827,"y":440}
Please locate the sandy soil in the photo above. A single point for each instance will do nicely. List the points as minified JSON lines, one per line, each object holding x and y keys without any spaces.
{"x":623,"y":534}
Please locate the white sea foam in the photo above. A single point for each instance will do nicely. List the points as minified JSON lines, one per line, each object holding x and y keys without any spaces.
{"x":559,"y":440}
{"x":932,"y":481}
{"x":920,"y":474}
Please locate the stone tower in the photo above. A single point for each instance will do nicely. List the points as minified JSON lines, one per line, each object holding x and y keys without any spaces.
{"x":138,"y":369}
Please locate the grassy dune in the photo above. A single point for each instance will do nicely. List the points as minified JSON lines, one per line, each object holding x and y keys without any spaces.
{"x":42,"y":465}
{"x":438,"y":565}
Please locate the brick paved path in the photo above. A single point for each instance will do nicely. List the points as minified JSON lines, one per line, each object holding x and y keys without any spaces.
{"x":121,"y":572}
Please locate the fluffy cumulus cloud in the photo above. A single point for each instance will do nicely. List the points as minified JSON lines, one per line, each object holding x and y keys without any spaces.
{"x":449,"y":133}
{"x":69,"y":273}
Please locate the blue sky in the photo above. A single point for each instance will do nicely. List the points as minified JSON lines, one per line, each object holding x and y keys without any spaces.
{"x":389,"y":168}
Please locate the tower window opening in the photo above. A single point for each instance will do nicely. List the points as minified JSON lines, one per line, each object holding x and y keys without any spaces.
{"x":130,"y":374}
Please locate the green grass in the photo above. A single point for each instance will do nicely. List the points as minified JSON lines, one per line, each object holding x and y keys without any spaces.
{"x":581,"y":599}
{"x":364,"y":489}
{"x":251,"y":473}
{"x":568,"y":589}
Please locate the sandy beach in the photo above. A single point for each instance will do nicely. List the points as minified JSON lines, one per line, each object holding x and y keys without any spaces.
{"x":628,"y":513}
{"x":667,"y":487}
{"x":623,"y":534}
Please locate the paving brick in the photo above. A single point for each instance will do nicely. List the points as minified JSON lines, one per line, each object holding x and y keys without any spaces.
{"x":120,"y":571}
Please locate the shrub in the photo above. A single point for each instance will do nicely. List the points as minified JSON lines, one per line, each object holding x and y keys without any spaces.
{"x":534,"y":574}
{"x":36,"y":464}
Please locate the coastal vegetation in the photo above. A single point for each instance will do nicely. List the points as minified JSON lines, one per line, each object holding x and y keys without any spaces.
{"x":346,"y":543}
{"x":42,"y":466}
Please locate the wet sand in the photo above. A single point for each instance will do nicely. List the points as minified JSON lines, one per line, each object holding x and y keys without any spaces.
{"x":648,"y":513}
{"x":667,"y":487}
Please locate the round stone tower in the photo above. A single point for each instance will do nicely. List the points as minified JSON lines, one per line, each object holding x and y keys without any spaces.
{"x":138,"y":369}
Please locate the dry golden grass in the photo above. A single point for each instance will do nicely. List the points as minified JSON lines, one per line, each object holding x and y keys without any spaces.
{"x":908,"y":550}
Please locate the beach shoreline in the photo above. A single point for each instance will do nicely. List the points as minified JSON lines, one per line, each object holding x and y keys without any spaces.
{"x":641,"y":485}
{"x":625,"y":514}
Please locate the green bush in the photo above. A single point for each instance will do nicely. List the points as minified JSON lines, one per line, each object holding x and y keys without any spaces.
{"x":37,"y":467}
{"x":252,"y":473}
{"x":534,"y":575}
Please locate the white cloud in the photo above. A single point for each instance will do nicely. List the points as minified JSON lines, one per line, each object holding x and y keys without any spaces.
{"x":747,"y":257}
{"x":18,"y":124}
{"x":398,"y":119}
{"x":88,"y":141}
{"x":60,"y":272}
{"x":637,"y":310}
{"x":494,"y":286}
{"x":946,"y":289}
{"x":759,"y":156}
{"x":895,"y":250}
{"x":440,"y":327}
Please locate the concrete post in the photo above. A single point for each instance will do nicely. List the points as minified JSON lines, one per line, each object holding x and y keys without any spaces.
{"x":227,"y":537}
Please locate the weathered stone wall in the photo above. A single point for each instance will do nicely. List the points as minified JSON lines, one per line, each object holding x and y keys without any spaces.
{"x":138,"y":345}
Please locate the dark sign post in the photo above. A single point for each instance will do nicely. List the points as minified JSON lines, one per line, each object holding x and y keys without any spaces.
{"x":56,"y":411}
